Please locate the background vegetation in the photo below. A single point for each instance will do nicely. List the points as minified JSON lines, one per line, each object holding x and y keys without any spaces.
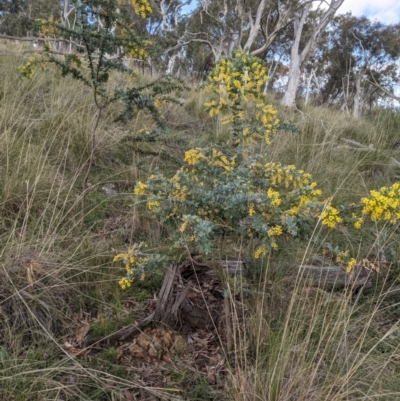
{"x":292,"y":341}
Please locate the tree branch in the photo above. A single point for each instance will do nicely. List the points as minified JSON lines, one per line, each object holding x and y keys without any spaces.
{"x":384,"y":90}
{"x":181,"y":44}
{"x":32,"y":39}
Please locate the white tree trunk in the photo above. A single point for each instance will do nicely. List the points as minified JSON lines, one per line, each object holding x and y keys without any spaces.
{"x":308,"y":80}
{"x":358,"y":101}
{"x":297,"y":59}
{"x":293,"y":82}
{"x":171,"y":64}
{"x":254,"y":25}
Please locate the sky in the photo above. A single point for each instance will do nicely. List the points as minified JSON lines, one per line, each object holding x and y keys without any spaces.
{"x":385,"y":11}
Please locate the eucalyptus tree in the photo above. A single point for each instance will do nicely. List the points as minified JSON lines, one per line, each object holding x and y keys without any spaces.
{"x":359,"y":62}
{"x":214,"y":28}
{"x":301,"y":50}
{"x":165,"y":29}
{"x":250,"y":25}
{"x":17,"y":17}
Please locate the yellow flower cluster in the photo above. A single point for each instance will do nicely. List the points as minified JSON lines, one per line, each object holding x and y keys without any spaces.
{"x":180,"y":191}
{"x":48,"y":28}
{"x":214,"y":108}
{"x":134,"y":261}
{"x":216,"y":158}
{"x":192,"y":156}
{"x":252,"y":212}
{"x":330,"y":217}
{"x":237,"y":82}
{"x":350,"y":265}
{"x":289,"y":176}
{"x":341,"y":256}
{"x":129,"y":258}
{"x":133,"y":50}
{"x":141,"y":7}
{"x":261,"y":251}
{"x":183,"y":227}
{"x":274,"y":196}
{"x":383,"y":204}
{"x":125,"y":283}
{"x":298,"y":185}
{"x":358,"y":223}
{"x":140,"y":188}
{"x":275,"y":231}
{"x":27,"y":70}
{"x":153,"y":204}
{"x":227,"y":79}
{"x":220,"y":160}
{"x":265,"y":116}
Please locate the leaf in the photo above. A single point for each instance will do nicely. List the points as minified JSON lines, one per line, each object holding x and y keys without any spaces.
{"x":80,"y":353}
{"x":210,"y":375}
{"x":81,"y":333}
{"x":127,"y":395}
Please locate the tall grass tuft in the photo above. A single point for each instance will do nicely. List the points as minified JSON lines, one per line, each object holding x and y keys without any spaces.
{"x":302,"y":343}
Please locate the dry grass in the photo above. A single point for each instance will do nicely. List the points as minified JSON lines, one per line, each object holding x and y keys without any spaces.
{"x":301,"y":343}
{"x":292,"y":342}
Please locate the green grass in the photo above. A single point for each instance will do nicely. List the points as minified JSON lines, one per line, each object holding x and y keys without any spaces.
{"x":292,"y":342}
